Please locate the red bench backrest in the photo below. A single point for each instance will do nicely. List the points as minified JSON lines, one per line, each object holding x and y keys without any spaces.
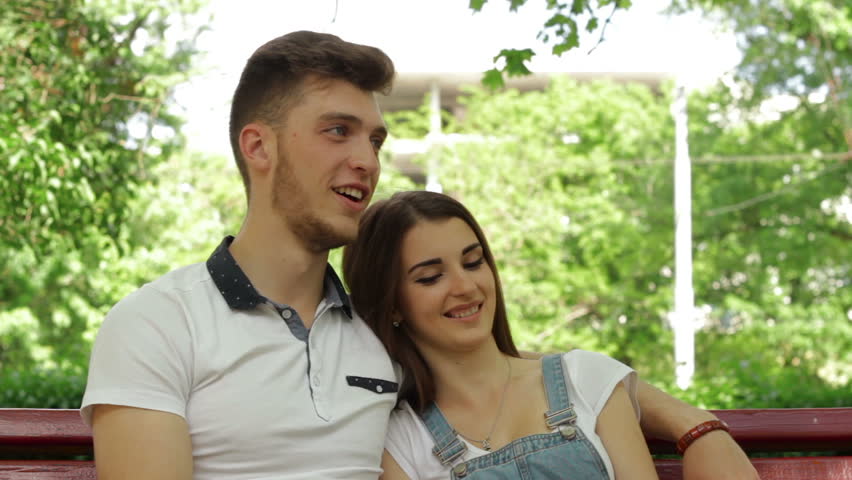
{"x":62,"y":433}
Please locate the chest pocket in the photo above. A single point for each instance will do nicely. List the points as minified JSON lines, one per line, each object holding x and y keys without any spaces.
{"x":376,"y":385}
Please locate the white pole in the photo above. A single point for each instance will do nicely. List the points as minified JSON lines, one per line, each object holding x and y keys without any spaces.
{"x":684,"y":314}
{"x":434,"y":139}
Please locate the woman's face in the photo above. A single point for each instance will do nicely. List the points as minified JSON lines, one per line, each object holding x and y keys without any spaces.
{"x":447,"y":289}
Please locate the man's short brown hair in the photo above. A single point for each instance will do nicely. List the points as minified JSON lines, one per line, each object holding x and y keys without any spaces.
{"x":272,"y":79}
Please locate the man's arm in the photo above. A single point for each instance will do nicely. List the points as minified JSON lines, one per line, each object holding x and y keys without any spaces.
{"x":714,"y":455}
{"x":138,"y":386}
{"x":135,"y":443}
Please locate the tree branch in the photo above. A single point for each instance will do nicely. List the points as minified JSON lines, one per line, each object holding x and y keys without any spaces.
{"x":769,"y":195}
{"x":578,"y":312}
{"x":603,"y":28}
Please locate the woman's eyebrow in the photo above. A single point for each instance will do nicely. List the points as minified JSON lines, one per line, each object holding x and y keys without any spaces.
{"x":470,"y":247}
{"x":426,"y":263}
{"x":438,"y":261}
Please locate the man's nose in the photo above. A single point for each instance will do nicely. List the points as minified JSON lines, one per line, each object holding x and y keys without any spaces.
{"x":364,"y":157}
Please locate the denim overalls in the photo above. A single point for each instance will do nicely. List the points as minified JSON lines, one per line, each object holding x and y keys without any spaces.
{"x":561,"y":455}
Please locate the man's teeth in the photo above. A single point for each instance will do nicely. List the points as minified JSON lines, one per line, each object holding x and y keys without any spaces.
{"x":350,"y":192}
{"x":464,"y":313}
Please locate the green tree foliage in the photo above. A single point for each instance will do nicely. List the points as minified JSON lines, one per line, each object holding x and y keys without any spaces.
{"x":797,"y":48}
{"x":86,"y":88}
{"x":573,"y":186}
{"x":75,"y":77}
{"x":770,"y":204}
{"x":54,"y":303}
{"x":567,"y":21}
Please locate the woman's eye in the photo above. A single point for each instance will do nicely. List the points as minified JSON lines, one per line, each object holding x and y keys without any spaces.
{"x":338,"y":130}
{"x":475,"y":264}
{"x":428,"y":280}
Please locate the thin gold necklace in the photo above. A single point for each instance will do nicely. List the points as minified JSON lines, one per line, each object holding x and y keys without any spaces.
{"x":486,"y":442}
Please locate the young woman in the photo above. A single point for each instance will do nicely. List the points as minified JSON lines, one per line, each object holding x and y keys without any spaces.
{"x":423,"y":278}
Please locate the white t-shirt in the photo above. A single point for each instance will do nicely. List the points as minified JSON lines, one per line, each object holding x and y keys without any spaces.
{"x":260,"y":403}
{"x":590,"y":377}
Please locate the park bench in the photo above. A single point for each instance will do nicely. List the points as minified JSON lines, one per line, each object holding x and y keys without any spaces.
{"x":822,"y":436}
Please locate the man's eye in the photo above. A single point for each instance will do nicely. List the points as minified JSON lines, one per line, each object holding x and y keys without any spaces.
{"x":377,"y":143}
{"x":428,"y":280}
{"x":475,"y":264}
{"x":337,"y":130}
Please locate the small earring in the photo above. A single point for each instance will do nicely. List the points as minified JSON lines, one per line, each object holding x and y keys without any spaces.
{"x":396,"y":323}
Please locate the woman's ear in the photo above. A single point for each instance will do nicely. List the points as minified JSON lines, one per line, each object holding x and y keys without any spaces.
{"x":396,"y":318}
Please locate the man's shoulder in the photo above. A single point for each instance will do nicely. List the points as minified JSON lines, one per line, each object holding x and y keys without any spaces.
{"x":174,"y":287}
{"x":183,"y":279}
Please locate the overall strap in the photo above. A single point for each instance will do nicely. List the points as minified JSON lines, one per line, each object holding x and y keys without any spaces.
{"x":560,"y":410}
{"x":448,"y":447}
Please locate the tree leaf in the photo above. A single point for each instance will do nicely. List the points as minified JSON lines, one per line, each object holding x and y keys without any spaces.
{"x":493,"y":79}
{"x":476,"y":5}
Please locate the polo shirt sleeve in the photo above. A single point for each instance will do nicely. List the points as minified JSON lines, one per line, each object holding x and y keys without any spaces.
{"x":142,"y":356}
{"x":596,"y":375}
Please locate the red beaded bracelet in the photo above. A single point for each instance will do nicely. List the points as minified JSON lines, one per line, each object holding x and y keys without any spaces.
{"x":699,"y":430}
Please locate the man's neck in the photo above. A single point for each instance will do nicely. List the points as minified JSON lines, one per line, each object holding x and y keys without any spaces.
{"x":281,"y":268}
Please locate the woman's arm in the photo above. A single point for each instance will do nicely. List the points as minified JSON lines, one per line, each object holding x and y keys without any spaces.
{"x":714,"y":456}
{"x":619,"y":430}
{"x":392,"y":471}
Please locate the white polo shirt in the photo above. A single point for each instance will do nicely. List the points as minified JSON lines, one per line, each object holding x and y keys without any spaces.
{"x":264,"y":397}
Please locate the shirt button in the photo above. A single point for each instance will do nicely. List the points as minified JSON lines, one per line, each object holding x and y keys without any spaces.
{"x":286,"y":314}
{"x":379,"y":389}
{"x":316,"y":381}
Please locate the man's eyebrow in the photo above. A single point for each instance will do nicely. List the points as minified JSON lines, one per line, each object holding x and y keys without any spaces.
{"x":348,"y":117}
{"x":426,"y":263}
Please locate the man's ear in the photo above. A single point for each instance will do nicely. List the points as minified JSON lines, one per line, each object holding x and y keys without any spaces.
{"x":258,"y":146}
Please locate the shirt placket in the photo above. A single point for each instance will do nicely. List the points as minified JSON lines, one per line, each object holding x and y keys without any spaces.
{"x":320,"y":386}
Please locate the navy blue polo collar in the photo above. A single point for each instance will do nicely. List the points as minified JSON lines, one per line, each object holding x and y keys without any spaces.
{"x":240,"y":294}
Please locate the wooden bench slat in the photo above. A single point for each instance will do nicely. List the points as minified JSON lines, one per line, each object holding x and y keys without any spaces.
{"x":783,"y":430}
{"x":43,"y":430}
{"x":767,"y":430}
{"x":788,"y":468}
{"x":47,"y":470}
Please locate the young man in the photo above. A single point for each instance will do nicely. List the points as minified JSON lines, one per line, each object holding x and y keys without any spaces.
{"x":252,"y":365}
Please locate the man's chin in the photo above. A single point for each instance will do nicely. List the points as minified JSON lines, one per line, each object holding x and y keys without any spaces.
{"x":337,"y":238}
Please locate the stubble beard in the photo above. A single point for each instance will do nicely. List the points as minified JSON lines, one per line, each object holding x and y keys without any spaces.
{"x":289,"y":200}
